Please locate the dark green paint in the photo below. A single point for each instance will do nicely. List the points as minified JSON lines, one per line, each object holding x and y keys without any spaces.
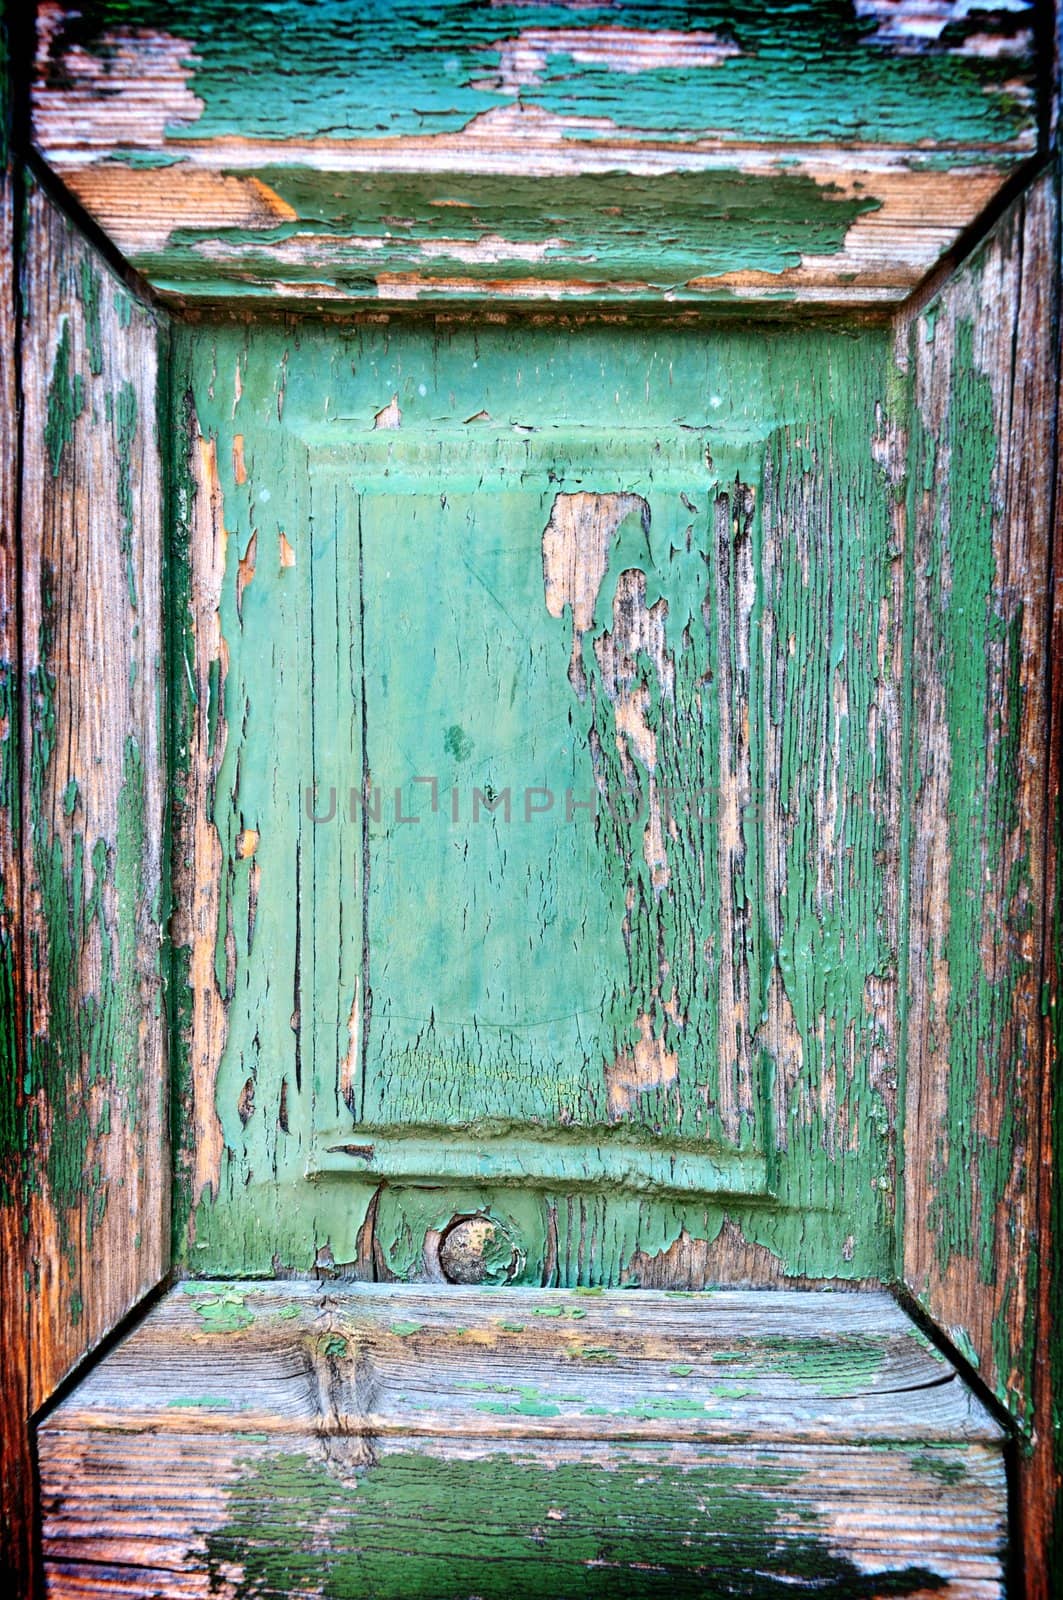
{"x":12,"y":1108}
{"x":1049,"y":1395}
{"x":704,"y":224}
{"x":415,"y":1527}
{"x":179,"y":491}
{"x":89,"y":284}
{"x":66,"y":400}
{"x":839,"y":1366}
{"x":125,"y":428}
{"x":97,"y":1032}
{"x":954,"y":462}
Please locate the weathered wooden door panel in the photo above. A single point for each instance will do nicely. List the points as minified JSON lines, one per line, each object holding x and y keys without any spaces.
{"x":84,"y":1119}
{"x":535,"y":785}
{"x":798,"y":575}
{"x":981,"y":357}
{"x":439,"y":150}
{"x":92,"y":1100}
{"x":466,"y":570}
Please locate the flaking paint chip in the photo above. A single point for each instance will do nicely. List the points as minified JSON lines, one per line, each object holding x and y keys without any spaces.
{"x":389,"y":416}
{"x":245,"y":571}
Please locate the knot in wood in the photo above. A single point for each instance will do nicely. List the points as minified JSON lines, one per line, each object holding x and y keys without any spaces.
{"x":478,"y":1249}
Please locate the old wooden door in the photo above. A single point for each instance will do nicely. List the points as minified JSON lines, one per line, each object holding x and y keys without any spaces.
{"x":569,"y":585}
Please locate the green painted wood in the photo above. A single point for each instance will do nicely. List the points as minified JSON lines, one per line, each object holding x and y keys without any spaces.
{"x":300,"y":70}
{"x":980,"y":512}
{"x":93,"y":1124}
{"x":399,"y":1442}
{"x":388,"y":497}
{"x":511,"y":983}
{"x":822,"y":151}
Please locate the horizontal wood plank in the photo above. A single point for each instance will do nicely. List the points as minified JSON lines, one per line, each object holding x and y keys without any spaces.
{"x":285,"y":1437}
{"x":440,"y":152}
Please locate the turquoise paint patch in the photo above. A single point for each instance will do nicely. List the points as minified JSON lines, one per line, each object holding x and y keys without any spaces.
{"x":292,"y":71}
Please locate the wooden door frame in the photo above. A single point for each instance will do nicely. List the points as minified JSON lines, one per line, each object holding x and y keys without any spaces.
{"x":1039,"y":1512}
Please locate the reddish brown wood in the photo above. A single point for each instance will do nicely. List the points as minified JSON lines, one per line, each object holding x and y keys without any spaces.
{"x":17,"y":1479}
{"x":84,"y":1169}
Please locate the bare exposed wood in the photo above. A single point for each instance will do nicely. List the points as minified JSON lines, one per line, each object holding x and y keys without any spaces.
{"x":92,"y":799}
{"x":693,"y":1264}
{"x":198,"y":855}
{"x":871,"y":1463}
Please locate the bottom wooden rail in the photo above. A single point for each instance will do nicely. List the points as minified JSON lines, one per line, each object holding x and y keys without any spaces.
{"x":273,"y":1439}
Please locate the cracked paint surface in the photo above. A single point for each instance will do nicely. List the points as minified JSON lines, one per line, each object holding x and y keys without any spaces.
{"x":447,"y":151}
{"x":456,"y":964}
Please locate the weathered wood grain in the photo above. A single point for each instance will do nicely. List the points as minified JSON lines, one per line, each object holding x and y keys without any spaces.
{"x":983,"y":369}
{"x":1041,"y":1466}
{"x":441,"y":151}
{"x":603,"y":1036}
{"x":18,"y":1489}
{"x":95,"y":1074}
{"x":403,"y":1442}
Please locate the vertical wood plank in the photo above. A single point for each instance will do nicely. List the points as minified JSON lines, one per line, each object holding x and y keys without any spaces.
{"x":980,"y":506}
{"x":92,"y":799}
{"x":1041,"y":1468}
{"x":17,"y":1486}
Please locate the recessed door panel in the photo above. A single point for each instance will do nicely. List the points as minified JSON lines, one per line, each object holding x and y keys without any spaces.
{"x":557,"y":745}
{"x":535,"y":799}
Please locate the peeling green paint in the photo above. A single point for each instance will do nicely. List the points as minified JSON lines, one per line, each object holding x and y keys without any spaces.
{"x":316,"y":125}
{"x":89,"y":284}
{"x":208,"y":1402}
{"x":66,"y":400}
{"x":791,"y":417}
{"x":838,"y":1366}
{"x":291,"y":72}
{"x":972,"y":649}
{"x":1049,"y":1399}
{"x":707,"y":223}
{"x":226,"y":1313}
{"x":414,"y":1526}
{"x":125,"y":426}
{"x":76,"y":882}
{"x":145,"y":160}
{"x":179,"y":491}
{"x":949,"y":1469}
{"x":970,"y":575}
